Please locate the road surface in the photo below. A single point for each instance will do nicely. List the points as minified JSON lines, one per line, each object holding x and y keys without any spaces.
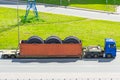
{"x":51,"y":67}
{"x":67,"y":11}
{"x":60,"y":65}
{"x":62,"y":69}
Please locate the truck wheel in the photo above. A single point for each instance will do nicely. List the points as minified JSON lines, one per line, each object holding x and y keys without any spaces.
{"x":109,"y":56}
{"x":53,"y":39}
{"x":5,"y":56}
{"x":95,"y":56}
{"x":35,"y":39}
{"x":88,"y":56}
{"x":12,"y":56}
{"x":71,"y":39}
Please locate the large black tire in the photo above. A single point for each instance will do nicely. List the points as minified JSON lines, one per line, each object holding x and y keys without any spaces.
{"x":88,"y":56}
{"x":53,"y":40}
{"x":35,"y":40}
{"x":95,"y":56}
{"x":72,"y":39}
{"x":12,"y":56}
{"x":5,"y":56}
{"x":108,"y":56}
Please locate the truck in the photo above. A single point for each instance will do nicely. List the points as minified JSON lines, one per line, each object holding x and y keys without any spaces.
{"x":53,"y":46}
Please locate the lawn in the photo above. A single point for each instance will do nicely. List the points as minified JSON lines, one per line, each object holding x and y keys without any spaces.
{"x":89,"y":4}
{"x":91,"y":32}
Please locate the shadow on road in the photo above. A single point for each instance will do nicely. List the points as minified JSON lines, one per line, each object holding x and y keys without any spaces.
{"x":99,"y":59}
{"x":60,"y":60}
{"x":46,"y":60}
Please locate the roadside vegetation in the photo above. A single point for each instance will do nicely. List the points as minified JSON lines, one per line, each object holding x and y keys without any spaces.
{"x":104,"y":5}
{"x":91,"y":32}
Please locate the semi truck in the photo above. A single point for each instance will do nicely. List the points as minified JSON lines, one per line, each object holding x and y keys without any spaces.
{"x":53,"y":46}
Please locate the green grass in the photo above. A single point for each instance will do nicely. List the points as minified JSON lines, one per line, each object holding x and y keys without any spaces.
{"x":91,"y":32}
{"x":89,"y":4}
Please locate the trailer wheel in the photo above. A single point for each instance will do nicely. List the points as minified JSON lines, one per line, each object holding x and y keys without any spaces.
{"x":35,"y":39}
{"x":109,"y":56}
{"x":53,"y":39}
{"x":72,"y":39}
{"x":12,"y":56}
{"x":88,"y":56}
{"x":5,"y":56}
{"x":95,"y":56}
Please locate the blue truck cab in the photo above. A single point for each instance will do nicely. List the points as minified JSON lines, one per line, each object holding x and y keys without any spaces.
{"x":110,"y":48}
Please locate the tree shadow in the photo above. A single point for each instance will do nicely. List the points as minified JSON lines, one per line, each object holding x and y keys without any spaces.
{"x":8,"y":28}
{"x":30,"y":20}
{"x":21,"y":22}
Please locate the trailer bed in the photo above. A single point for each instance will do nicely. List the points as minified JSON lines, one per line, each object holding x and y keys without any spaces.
{"x":50,"y":50}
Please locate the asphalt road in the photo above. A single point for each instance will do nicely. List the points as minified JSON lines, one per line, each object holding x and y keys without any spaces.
{"x":60,"y":65}
{"x":60,"y":69}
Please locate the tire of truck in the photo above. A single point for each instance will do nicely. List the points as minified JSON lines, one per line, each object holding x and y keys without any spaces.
{"x":95,"y":56}
{"x":71,"y":39}
{"x":53,"y":40}
{"x":35,"y":40}
{"x":5,"y":56}
{"x":88,"y":56}
{"x":12,"y":56}
{"x":108,"y":56}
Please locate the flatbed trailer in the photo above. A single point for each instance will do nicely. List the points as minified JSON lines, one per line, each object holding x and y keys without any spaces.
{"x":59,"y":48}
{"x":50,"y":50}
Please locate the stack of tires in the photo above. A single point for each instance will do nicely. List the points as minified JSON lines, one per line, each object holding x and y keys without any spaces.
{"x":49,"y":40}
{"x":52,"y":40}
{"x":72,"y":39}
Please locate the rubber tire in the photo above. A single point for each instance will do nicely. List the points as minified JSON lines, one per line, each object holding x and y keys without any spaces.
{"x":72,"y":39}
{"x":88,"y":56}
{"x":5,"y":56}
{"x":95,"y":56}
{"x":53,"y":40}
{"x":35,"y":40}
{"x":12,"y":56}
{"x":108,"y":56}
